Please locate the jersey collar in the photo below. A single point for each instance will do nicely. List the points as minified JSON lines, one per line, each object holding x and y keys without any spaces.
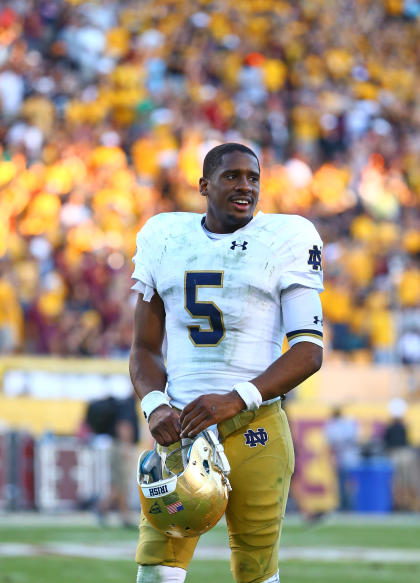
{"x":219,"y":236}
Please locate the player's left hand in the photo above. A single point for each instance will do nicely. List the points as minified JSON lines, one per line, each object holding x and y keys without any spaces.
{"x":209,"y":410}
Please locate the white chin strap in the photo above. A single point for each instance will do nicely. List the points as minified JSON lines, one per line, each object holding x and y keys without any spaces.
{"x":274,"y":579}
{"x":160,"y":574}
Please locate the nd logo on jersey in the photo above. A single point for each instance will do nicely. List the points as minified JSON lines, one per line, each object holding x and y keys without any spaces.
{"x":315,"y":258}
{"x":253,"y":438}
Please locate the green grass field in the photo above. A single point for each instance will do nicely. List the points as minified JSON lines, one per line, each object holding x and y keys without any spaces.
{"x":343,"y":535}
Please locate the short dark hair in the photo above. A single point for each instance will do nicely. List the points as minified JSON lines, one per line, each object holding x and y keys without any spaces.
{"x":215,"y":155}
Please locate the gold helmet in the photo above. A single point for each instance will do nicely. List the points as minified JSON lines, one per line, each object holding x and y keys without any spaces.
{"x":184,"y":487}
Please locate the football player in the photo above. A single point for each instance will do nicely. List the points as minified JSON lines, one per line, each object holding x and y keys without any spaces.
{"x":224,"y":289}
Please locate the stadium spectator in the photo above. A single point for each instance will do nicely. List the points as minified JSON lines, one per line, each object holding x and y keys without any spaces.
{"x":341,"y":433}
{"x":11,"y":314}
{"x":408,"y":346}
{"x":404,"y":458}
{"x":118,"y":420}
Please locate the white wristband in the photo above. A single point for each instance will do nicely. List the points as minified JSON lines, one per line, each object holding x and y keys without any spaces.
{"x":152,"y":401}
{"x":249,"y":394}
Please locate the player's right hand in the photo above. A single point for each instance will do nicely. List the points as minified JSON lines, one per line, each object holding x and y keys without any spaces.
{"x":164,"y":425}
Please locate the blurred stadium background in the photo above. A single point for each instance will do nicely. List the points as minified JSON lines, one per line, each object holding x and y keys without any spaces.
{"x":106,"y":112}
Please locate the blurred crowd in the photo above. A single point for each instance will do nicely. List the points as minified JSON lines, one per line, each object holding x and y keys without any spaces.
{"x":384,"y":468}
{"x":107,"y":109}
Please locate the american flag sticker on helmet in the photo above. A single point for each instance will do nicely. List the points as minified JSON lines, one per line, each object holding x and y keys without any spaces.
{"x":175,"y":507}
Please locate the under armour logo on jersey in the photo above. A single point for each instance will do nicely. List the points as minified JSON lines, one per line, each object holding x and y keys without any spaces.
{"x":253,"y":438}
{"x":235,"y":244}
{"x":318,"y":320}
{"x":315,"y":257}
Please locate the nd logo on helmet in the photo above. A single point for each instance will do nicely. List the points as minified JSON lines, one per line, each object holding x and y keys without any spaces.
{"x":155,"y":509}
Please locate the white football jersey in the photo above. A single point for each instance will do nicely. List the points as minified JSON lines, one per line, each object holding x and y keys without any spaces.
{"x":222,"y":296}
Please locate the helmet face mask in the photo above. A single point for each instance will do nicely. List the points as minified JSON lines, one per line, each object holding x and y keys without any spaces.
{"x":184,"y":488}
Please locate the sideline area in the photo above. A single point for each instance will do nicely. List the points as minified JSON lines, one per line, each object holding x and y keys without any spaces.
{"x":210,"y":548}
{"x":126,"y":552}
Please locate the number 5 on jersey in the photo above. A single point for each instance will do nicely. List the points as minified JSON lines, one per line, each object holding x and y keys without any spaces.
{"x":204,"y":309}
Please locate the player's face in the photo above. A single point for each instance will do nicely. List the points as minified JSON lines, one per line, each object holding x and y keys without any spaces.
{"x":232,"y":192}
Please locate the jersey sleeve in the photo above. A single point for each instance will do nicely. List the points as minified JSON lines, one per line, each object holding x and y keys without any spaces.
{"x":143,"y":274}
{"x":302,"y":315}
{"x":304,"y":261}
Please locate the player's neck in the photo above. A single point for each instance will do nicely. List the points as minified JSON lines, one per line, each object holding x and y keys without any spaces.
{"x":213,"y":227}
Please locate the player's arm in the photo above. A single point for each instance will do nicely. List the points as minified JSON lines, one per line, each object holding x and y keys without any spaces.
{"x":302,"y":314}
{"x":147,"y":368}
{"x":302,"y":317}
{"x":284,"y":374}
{"x":292,"y":368}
